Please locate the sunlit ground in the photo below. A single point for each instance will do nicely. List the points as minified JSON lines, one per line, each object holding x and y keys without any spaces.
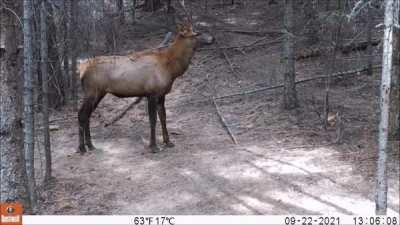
{"x":245,"y":181}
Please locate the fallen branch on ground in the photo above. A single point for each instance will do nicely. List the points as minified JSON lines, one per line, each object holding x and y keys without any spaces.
{"x":345,"y":49}
{"x":297,"y":82}
{"x":234,"y":72}
{"x":122,"y":114}
{"x":252,"y":44}
{"x":253,"y":32}
{"x":230,"y":64}
{"x":225,"y":125}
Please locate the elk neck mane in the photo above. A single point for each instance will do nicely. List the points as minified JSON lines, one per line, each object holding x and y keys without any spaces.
{"x":176,"y":58}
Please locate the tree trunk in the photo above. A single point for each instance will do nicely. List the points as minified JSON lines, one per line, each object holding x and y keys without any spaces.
{"x":336,"y":39}
{"x":387,"y":73}
{"x":169,"y":6}
{"x":74,"y":51}
{"x":36,"y":79}
{"x":66,"y":24}
{"x":58,"y":82}
{"x":12,"y":162}
{"x":152,"y":5}
{"x":45,"y":89}
{"x":133,"y":11}
{"x":29,"y":127}
{"x":121,"y":14}
{"x":394,"y":118}
{"x":339,"y":4}
{"x":111,"y":36}
{"x":370,"y":27}
{"x":102,"y":6}
{"x":289,"y":95}
{"x":311,"y":15}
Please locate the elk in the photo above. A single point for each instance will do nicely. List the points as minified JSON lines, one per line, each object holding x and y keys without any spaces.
{"x":148,"y":74}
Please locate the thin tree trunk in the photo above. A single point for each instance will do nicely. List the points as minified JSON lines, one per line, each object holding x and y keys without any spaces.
{"x":336,"y":39}
{"x":394,"y":118}
{"x":74,"y":91}
{"x":168,"y":5}
{"x":370,"y":24}
{"x":90,"y":27}
{"x":102,"y":6}
{"x":14,"y":186}
{"x":311,"y":16}
{"x":66,"y":24}
{"x":133,"y":11}
{"x":121,"y":14}
{"x":45,"y":89}
{"x":289,"y":95}
{"x":36,"y":58}
{"x":29,"y":127}
{"x":58,"y":82}
{"x":387,"y":71}
{"x":152,"y":5}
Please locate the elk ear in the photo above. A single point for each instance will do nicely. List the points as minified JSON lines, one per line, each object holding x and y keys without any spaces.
{"x":179,"y":27}
{"x":188,"y":23}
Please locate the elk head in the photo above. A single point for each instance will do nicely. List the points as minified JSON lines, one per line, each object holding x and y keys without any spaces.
{"x":186,"y":29}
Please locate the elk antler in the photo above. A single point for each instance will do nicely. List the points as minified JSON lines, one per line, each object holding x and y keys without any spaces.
{"x":188,"y":15}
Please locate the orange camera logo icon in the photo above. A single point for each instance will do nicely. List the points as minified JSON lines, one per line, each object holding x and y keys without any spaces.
{"x":11,"y":214}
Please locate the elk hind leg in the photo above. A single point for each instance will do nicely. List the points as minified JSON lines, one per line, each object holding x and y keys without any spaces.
{"x":152,"y":109}
{"x":88,"y":106}
{"x":163,"y":119}
{"x":93,"y":106}
{"x":83,"y":119}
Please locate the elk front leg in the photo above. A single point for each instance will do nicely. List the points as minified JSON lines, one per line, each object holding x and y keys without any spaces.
{"x":152,"y":108}
{"x":163,"y":119}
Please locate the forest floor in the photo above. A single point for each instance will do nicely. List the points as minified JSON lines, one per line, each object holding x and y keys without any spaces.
{"x":284,"y":162}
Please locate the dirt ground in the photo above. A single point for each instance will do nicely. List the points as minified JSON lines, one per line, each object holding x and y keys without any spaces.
{"x":284,"y":163}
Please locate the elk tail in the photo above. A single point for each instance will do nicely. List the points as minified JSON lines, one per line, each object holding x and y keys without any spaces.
{"x":83,"y":66}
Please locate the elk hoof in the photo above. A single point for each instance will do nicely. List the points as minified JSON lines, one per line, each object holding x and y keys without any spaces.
{"x":169,"y":145}
{"x":81,"y":150}
{"x":155,"y":149}
{"x":92,"y":148}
